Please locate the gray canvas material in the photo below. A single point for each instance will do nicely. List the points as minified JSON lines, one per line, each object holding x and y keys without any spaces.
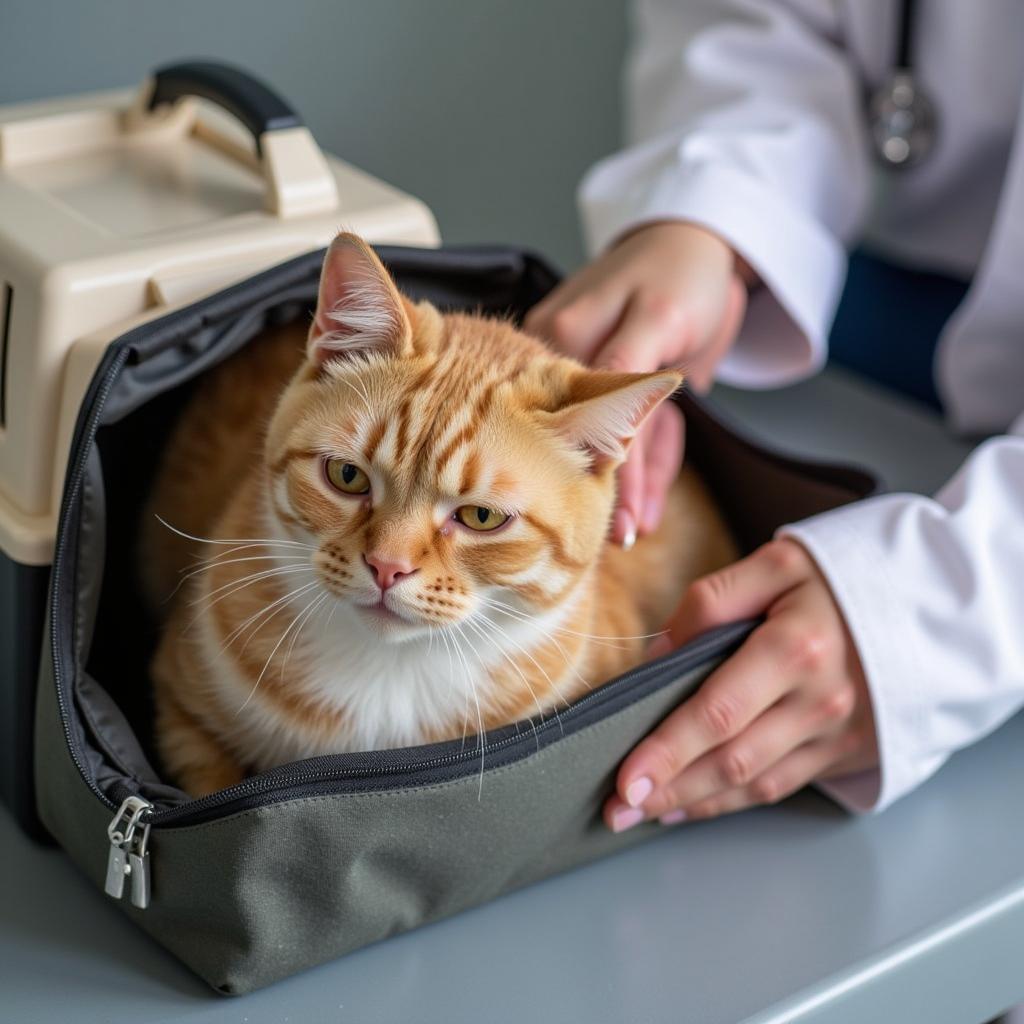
{"x":264,"y":893}
{"x":251,"y":896}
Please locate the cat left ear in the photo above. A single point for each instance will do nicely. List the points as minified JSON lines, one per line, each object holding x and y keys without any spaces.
{"x":359,"y":308}
{"x":605,"y":410}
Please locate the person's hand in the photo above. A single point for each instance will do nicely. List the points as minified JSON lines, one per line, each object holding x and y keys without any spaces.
{"x":790,"y":706}
{"x":669,"y":294}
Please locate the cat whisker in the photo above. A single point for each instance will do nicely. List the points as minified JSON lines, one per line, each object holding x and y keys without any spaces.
{"x":471,"y":689}
{"x":232,"y":540}
{"x":599,"y":641}
{"x":449,"y":643}
{"x":551,"y":682}
{"x":330,"y":618}
{"x":451,"y":676}
{"x":279,"y":604}
{"x":609,"y":641}
{"x":270,"y":657}
{"x":246,"y":582}
{"x":360,"y":392}
{"x":317,"y":605}
{"x":469,"y":681}
{"x":219,"y":558}
{"x":569,"y":663}
{"x":363,"y":390}
{"x":293,"y":559}
{"x":526,"y":682}
{"x":481,"y":733}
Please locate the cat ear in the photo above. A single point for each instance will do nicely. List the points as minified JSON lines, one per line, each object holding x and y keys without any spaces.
{"x":359,"y":309}
{"x":606,"y":409}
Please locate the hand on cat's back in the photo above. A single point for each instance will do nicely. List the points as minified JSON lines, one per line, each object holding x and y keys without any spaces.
{"x":667,"y":294}
{"x":791,"y":706}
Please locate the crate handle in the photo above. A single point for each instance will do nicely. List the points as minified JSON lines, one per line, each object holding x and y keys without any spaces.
{"x":253,"y":102}
{"x":298,"y":178}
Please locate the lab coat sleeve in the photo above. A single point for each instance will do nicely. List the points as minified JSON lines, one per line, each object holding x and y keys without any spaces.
{"x":933,"y":593}
{"x":745,"y":116}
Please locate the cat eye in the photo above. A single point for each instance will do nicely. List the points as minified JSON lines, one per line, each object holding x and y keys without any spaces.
{"x":348,"y":478}
{"x":476,"y":517}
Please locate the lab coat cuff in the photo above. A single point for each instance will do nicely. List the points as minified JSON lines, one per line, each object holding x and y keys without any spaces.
{"x":854,"y":564}
{"x":802,"y":266}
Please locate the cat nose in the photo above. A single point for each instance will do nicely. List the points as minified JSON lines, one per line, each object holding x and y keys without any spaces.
{"x":387,"y":572}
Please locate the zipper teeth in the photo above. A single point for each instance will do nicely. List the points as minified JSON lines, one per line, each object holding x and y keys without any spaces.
{"x":73,"y":488}
{"x":291,"y":778}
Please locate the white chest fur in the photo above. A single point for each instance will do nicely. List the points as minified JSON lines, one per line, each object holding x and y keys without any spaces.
{"x":388,"y":694}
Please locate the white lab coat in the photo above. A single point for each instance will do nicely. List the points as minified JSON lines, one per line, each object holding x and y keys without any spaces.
{"x":747,"y":116}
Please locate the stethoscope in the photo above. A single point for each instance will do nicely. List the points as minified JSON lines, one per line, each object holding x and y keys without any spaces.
{"x":901,"y":116}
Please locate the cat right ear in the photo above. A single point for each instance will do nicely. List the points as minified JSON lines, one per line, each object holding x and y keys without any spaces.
{"x":359,"y":309}
{"x":603,"y":410}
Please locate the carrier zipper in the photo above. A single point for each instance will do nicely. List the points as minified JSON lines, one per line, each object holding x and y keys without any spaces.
{"x":315,"y":771}
{"x":128,"y":857}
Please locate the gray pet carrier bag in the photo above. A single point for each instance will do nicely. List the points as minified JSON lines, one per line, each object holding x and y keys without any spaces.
{"x":311,"y":860}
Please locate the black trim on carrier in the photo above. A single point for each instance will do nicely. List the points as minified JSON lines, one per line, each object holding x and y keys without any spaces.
{"x":22,"y":606}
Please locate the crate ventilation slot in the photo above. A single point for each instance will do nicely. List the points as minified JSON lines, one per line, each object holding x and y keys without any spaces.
{"x":6,"y":302}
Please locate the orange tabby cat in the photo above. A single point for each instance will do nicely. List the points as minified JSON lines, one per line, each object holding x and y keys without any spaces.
{"x":408,"y":538}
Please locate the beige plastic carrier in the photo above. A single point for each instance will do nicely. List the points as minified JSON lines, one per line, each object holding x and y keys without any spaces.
{"x":116,"y":208}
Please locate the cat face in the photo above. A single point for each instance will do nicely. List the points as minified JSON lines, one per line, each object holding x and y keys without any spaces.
{"x":444,"y":464}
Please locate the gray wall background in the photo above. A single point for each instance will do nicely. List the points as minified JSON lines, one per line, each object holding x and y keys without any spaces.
{"x":489,"y":110}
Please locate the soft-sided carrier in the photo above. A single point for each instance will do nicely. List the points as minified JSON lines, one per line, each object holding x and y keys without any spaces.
{"x":314,"y":859}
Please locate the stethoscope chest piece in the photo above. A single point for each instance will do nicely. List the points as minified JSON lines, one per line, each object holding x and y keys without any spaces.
{"x":902,"y":121}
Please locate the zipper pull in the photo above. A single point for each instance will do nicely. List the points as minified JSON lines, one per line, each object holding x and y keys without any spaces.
{"x":138,"y":872}
{"x":117,"y":867}
{"x":129,"y":856}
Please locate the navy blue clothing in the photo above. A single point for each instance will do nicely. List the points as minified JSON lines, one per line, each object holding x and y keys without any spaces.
{"x":889,"y":321}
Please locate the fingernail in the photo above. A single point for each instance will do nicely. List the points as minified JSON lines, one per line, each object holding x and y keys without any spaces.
{"x":626,"y":818}
{"x":638,"y":791}
{"x":659,"y":646}
{"x":673,"y":817}
{"x":625,"y":527}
